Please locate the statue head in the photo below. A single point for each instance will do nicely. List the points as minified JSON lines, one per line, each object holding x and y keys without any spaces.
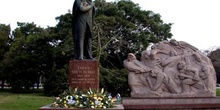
{"x":131,"y":57}
{"x":173,"y":53}
{"x":174,"y":42}
{"x":181,"y":65}
{"x":205,"y":71}
{"x":197,"y":57}
{"x":145,"y":55}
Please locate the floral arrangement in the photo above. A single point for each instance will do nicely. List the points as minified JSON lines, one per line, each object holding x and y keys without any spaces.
{"x":74,"y":98}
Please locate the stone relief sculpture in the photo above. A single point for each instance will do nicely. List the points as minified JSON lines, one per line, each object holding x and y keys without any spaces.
{"x":171,"y":69}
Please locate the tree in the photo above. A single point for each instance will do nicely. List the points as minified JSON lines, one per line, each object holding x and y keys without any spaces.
{"x":56,"y":81}
{"x":29,"y":56}
{"x":215,"y":58}
{"x":4,"y":38}
{"x":122,"y":27}
{"x":4,"y":46}
{"x":36,"y":52}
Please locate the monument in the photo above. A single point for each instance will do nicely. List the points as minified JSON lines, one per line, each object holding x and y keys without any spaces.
{"x":84,"y":93}
{"x":171,"y":73}
{"x":83,"y":70}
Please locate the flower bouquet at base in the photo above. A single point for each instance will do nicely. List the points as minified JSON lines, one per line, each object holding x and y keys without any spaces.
{"x":74,"y":98}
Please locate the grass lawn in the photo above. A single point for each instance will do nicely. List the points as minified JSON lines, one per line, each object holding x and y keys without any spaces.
{"x":32,"y":101}
{"x":218,"y":91}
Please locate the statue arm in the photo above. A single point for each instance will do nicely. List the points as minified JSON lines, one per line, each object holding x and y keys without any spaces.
{"x":132,"y":66}
{"x":141,"y":66}
{"x":185,"y":76}
{"x":171,"y":60}
{"x":195,"y":73}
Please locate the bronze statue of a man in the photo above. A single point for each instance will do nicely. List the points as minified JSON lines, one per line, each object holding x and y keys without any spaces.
{"x":82,"y":22}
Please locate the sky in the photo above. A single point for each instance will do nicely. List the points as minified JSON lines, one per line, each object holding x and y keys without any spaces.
{"x":194,"y":21}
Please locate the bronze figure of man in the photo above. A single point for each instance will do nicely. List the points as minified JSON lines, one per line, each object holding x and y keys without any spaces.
{"x":82,"y":22}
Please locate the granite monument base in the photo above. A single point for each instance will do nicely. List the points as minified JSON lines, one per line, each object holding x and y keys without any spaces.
{"x":171,"y":103}
{"x":117,"y":107}
{"x":84,"y":74}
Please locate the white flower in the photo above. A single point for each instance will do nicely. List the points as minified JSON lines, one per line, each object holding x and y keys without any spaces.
{"x":90,"y":90}
{"x":57,"y":98}
{"x":69,"y":97}
{"x":80,"y":105}
{"x":102,"y":91}
{"x":71,"y":101}
{"x":97,"y":102}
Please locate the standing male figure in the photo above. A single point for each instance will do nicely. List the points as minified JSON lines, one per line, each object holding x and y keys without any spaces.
{"x":82,"y":22}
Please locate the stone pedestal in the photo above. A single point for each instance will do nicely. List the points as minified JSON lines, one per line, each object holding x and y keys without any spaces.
{"x":172,"y":103}
{"x":84,"y":74}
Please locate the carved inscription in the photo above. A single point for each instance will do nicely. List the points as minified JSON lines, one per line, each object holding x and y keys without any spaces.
{"x":84,"y":74}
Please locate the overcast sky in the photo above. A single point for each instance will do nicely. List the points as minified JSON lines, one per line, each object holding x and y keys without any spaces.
{"x":194,"y":21}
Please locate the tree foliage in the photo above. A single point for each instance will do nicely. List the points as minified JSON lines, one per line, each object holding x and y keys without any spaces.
{"x":4,"y":46}
{"x":4,"y":39}
{"x":215,"y":58}
{"x":123,"y":27}
{"x":29,"y":44}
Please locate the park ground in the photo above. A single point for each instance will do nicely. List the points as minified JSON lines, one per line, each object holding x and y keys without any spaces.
{"x":29,"y":101}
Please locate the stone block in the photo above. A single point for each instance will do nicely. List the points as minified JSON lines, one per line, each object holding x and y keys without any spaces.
{"x":84,"y":74}
{"x":171,"y":103}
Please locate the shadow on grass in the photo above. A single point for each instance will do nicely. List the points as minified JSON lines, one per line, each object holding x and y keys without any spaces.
{"x":36,"y":92}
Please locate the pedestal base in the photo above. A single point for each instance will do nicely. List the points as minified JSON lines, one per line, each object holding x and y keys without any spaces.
{"x":172,"y":103}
